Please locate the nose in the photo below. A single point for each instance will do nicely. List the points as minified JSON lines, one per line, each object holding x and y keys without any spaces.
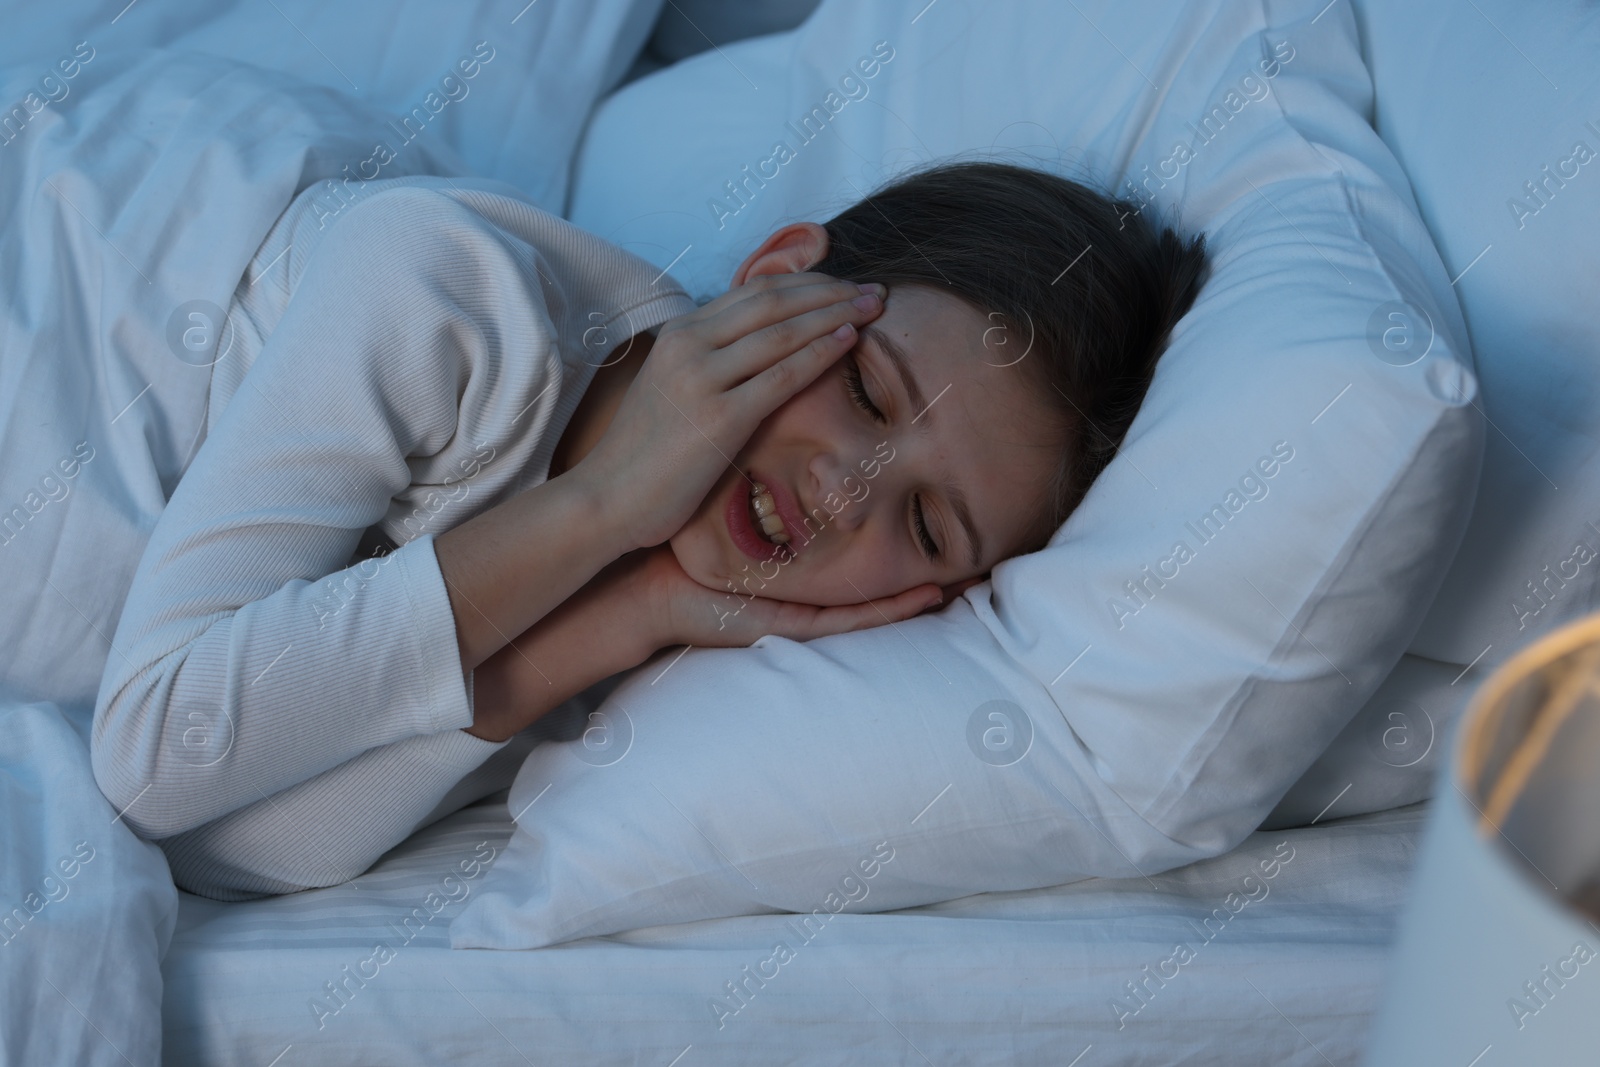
{"x":839,"y":492}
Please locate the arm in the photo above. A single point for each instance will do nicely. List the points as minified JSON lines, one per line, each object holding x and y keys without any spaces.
{"x":331,"y":828}
{"x":638,"y":605}
{"x":603,"y":629}
{"x":501,"y":584}
{"x":227,"y":681}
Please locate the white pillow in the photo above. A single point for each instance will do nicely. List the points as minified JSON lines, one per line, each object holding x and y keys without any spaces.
{"x":1526,"y":268}
{"x":1032,"y":733}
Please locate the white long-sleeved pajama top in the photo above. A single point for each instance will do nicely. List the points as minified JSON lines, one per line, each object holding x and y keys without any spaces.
{"x":277,"y":711}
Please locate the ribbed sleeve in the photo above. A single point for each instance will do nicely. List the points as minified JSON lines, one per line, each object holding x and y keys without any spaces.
{"x":276,"y":716}
{"x":330,"y":828}
{"x":234,"y":674}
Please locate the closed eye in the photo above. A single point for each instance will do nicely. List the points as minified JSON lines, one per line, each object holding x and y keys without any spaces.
{"x":858,"y":391}
{"x":929,"y":549}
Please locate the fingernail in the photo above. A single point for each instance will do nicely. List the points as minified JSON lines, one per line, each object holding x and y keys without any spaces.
{"x":843,"y":333}
{"x":867,"y":301}
{"x":876,"y":288}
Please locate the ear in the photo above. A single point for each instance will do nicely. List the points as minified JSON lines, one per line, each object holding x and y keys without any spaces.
{"x":794,"y":248}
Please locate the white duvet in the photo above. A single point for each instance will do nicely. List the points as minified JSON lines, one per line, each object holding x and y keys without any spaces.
{"x":88,"y":907}
{"x":143,"y":156}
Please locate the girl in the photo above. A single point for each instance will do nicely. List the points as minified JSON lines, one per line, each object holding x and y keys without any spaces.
{"x":465,"y":461}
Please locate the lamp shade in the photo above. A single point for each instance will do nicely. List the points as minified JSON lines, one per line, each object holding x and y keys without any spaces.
{"x":1497,"y":960}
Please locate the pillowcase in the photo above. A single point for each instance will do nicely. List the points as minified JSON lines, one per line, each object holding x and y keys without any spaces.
{"x":1525,"y":262}
{"x":1140,"y":693}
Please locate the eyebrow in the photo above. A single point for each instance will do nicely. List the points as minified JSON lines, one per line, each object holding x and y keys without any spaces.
{"x":902,"y":367}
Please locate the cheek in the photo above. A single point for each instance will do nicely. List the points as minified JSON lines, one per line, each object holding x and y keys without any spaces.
{"x":869,"y":568}
{"x":819,"y":416}
{"x":700,"y":546}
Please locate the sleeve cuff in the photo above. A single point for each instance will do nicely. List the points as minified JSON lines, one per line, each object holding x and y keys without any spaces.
{"x":461,"y":752}
{"x":433,"y":622}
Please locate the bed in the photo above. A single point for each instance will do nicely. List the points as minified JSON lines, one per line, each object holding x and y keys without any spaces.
{"x":1274,"y":951}
{"x":1282,"y":970}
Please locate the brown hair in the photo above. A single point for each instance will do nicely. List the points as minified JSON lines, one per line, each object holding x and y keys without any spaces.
{"x":1093,"y":286}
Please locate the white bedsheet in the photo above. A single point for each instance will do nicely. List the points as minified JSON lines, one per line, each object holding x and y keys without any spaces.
{"x":1289,"y":978}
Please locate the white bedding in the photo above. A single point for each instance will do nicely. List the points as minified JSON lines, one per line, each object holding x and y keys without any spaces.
{"x":1288,"y":978}
{"x":997,"y":978}
{"x":86,"y":907}
{"x":143,"y":156}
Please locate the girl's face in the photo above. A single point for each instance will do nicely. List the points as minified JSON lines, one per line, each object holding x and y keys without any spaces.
{"x":936,"y":484}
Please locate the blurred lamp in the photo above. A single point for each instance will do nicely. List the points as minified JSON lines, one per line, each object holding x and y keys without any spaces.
{"x":1497,"y":956}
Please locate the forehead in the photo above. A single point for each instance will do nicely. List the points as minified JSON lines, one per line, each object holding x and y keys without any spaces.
{"x":984,"y":423}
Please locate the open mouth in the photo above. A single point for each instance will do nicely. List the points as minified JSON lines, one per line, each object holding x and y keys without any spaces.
{"x":764,"y":516}
{"x":755,"y":525}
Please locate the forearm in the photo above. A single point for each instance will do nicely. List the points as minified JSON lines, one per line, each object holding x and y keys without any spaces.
{"x":508,"y":567}
{"x":330,"y":828}
{"x":592,"y":635}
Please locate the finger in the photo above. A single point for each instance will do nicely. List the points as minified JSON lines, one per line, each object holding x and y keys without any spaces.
{"x":953,"y":591}
{"x":772,"y":307}
{"x":874,"y":612}
{"x":900,"y":607}
{"x":923,"y":598}
{"x":765,"y":347}
{"x":760,"y":283}
{"x":769,"y":388}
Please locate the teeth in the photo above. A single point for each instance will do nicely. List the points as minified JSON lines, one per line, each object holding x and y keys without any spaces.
{"x":772,"y":526}
{"x":766,"y":510}
{"x":761,"y":499}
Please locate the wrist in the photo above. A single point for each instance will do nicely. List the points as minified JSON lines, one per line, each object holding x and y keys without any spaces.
{"x":493,"y":717}
{"x":642,"y":607}
{"x":602,"y":509}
